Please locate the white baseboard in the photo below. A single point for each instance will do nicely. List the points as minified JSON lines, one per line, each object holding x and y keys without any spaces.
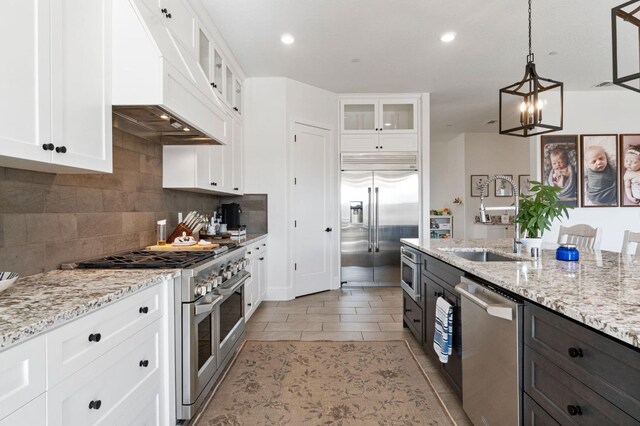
{"x":278,"y":294}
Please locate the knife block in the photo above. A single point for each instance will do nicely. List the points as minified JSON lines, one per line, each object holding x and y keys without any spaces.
{"x":178,"y":232}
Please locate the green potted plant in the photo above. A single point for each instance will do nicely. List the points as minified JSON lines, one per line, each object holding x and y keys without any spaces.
{"x":537,"y":211}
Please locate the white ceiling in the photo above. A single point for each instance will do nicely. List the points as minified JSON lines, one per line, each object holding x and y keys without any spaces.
{"x":398,"y":44}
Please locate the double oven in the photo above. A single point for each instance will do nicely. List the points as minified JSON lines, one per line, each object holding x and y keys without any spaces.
{"x":210,"y":329}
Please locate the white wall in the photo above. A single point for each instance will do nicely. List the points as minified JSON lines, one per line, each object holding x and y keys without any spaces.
{"x":273,"y":104}
{"x":448,"y":180}
{"x":454,"y":162}
{"x":613,"y":111}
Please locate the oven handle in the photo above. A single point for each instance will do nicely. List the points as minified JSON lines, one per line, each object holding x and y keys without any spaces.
{"x":205,"y":308}
{"x":225,"y":291}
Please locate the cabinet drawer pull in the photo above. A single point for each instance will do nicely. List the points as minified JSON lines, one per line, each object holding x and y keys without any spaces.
{"x":95,"y":405}
{"x":416,"y":320}
{"x":575,"y":352}
{"x":48,"y":146}
{"x":61,"y":149}
{"x":248,"y":304}
{"x":574,"y":410}
{"x":144,"y":310}
{"x":235,"y":189}
{"x":95,"y":337}
{"x":163,"y":10}
{"x":168,"y":16}
{"x":436,"y":294}
{"x":262,"y":258}
{"x":144,"y":363}
{"x":407,"y":310}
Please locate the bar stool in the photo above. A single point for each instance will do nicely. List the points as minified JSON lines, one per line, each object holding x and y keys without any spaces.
{"x":583,"y":236}
{"x":630,"y":239}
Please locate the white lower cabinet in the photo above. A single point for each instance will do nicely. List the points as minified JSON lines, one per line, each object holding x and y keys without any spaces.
{"x":99,"y":392}
{"x":256,"y":288}
{"x":22,"y":375}
{"x":69,"y":376}
{"x":32,"y":414}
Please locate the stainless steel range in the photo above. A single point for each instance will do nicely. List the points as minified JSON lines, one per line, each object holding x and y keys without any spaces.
{"x":208,"y":310}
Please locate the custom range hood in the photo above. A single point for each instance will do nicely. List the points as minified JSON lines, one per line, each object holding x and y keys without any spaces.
{"x":159,"y":91}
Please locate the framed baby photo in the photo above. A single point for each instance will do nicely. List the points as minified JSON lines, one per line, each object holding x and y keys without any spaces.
{"x":560,"y":166}
{"x":476,"y":185}
{"x":599,"y":178}
{"x":630,"y":170}
{"x":524,"y":184}
{"x":504,"y":188}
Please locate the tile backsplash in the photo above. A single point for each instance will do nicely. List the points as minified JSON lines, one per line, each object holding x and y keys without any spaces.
{"x":49,"y":219}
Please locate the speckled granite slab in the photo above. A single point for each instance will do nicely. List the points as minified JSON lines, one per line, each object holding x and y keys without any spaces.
{"x":602,"y":290}
{"x":41,"y":302}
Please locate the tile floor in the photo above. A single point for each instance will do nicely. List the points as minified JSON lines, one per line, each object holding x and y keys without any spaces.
{"x":352,"y":313}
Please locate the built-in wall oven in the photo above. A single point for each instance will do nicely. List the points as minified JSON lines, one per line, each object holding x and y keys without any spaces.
{"x":410,"y":272}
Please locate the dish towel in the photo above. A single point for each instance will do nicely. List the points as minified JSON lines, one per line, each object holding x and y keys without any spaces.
{"x":444,"y":329}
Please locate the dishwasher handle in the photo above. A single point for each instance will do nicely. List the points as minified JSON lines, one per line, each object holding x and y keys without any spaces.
{"x":498,"y":310}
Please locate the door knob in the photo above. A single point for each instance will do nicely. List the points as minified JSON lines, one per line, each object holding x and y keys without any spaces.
{"x":328,"y":230}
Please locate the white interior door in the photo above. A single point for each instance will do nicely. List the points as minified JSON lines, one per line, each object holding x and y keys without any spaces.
{"x":312,"y":210}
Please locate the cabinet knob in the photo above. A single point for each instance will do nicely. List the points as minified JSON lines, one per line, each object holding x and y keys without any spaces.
{"x":213,"y":85}
{"x":262,"y":258}
{"x":248,"y":304}
{"x":328,"y":230}
{"x":380,"y":146}
{"x":144,"y":363}
{"x":168,"y":16}
{"x":95,"y":405}
{"x":575,"y":352}
{"x":236,"y":189}
{"x":235,"y":108}
{"x":163,"y":10}
{"x":264,"y":244}
{"x":61,"y":149}
{"x":407,"y":310}
{"x":95,"y":337}
{"x":47,"y":146}
{"x":144,"y":310}
{"x":416,"y":320}
{"x":248,"y":252}
{"x":574,"y":410}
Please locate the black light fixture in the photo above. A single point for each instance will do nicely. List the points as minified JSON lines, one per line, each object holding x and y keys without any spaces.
{"x":522,"y":103}
{"x":628,"y":16}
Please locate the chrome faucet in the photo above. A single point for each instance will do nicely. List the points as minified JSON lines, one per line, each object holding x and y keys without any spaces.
{"x":484,"y":217}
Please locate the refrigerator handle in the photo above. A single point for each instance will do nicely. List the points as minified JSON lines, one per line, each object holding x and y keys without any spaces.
{"x":369,"y":219}
{"x":377,"y":222}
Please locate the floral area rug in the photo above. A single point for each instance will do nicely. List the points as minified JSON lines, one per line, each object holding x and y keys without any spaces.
{"x":325,"y":383}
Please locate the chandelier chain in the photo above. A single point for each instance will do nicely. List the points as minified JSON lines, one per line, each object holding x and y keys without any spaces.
{"x":529,"y":27}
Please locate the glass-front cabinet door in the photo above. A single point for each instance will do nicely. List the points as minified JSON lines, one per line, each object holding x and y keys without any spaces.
{"x":359,"y":116}
{"x":238,"y":98}
{"x":204,"y":54}
{"x":397,"y":116}
{"x":217,"y":71}
{"x":229,"y":85}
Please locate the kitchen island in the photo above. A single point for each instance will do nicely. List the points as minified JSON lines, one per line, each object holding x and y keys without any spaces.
{"x":580,"y":349}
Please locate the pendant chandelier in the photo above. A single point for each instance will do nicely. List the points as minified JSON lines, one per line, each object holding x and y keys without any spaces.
{"x":522,"y":103}
{"x":625,"y":24}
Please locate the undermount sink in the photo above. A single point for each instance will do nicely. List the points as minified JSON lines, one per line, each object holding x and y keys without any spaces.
{"x":483,"y":256}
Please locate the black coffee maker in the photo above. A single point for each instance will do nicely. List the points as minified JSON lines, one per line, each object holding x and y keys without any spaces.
{"x":231,"y":215}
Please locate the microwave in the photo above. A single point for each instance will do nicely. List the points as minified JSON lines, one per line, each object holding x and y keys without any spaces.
{"x":410,"y":272}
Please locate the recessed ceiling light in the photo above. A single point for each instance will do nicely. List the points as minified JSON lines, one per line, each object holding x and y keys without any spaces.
{"x":186,"y":129}
{"x":448,"y":37}
{"x":355,"y":60}
{"x":287,"y":39}
{"x":387,"y":124}
{"x":164,"y":116}
{"x":553,"y":53}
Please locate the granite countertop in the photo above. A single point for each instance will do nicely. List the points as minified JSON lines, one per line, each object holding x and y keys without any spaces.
{"x":601,"y":291}
{"x":40,"y":302}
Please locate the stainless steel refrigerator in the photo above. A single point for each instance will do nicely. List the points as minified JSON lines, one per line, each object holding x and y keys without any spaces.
{"x":377,"y":209}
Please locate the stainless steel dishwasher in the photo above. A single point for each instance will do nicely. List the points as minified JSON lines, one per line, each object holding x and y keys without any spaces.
{"x":491,"y":355}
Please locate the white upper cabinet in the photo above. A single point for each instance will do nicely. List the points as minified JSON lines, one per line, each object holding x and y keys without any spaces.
{"x":237,"y":97}
{"x":374,"y":124}
{"x":55,"y":98}
{"x":237,"y":146}
{"x":181,"y":22}
{"x":217,"y":82}
{"x":378,"y":115}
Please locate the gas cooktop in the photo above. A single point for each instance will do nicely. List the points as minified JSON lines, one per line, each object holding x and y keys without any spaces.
{"x":151,"y":259}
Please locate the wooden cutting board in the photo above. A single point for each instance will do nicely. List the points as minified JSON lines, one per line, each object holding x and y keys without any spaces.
{"x":169,"y":247}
